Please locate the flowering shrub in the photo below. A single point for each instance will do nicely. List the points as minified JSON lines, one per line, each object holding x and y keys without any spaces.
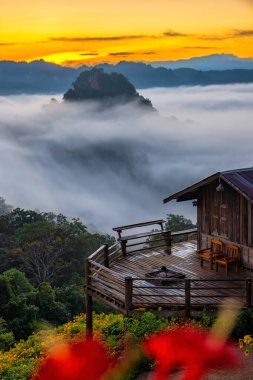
{"x":19,"y":362}
{"x":189,"y":348}
{"x":246,"y":344}
{"x":63,"y":353}
{"x":75,"y":361}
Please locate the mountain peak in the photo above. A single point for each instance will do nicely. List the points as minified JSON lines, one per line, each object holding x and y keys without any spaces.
{"x":95,"y":84}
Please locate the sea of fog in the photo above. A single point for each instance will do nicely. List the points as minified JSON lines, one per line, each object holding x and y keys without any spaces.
{"x":114,"y":166}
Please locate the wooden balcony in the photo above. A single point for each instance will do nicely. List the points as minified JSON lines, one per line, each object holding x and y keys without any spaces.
{"x":117,"y":276}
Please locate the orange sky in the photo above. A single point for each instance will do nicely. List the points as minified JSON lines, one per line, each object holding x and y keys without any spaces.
{"x":81,"y":31}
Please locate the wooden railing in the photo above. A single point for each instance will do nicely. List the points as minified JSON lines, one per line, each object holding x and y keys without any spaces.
{"x":186,"y":294}
{"x":106,"y":284}
{"x":105,"y":254}
{"x":144,"y":241}
{"x":191,"y":233}
{"x":127,"y":294}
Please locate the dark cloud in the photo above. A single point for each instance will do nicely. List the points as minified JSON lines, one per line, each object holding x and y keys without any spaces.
{"x":122,"y":53}
{"x":99,"y":38}
{"x":149,"y":52}
{"x":243,"y":33}
{"x":125,"y":53}
{"x":8,"y":43}
{"x":89,"y":53}
{"x":200,"y":47}
{"x":172,"y":33}
{"x":215,"y":37}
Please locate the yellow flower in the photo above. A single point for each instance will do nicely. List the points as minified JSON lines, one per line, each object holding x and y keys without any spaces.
{"x":247,"y":339}
{"x":246,"y":352}
{"x":241,"y":343}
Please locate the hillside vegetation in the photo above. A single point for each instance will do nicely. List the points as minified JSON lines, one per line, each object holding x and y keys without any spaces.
{"x":95,"y":84}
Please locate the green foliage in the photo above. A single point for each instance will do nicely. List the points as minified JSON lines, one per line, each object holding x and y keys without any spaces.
{"x":49,"y":308}
{"x":177,"y":222}
{"x":19,"y":362}
{"x":206,"y":319}
{"x":135,"y":328}
{"x":72,"y":296}
{"x":144,"y":325}
{"x":4,"y":207}
{"x":50,"y":251}
{"x":244,"y":324}
{"x":17,"y":303}
{"x":7,"y":339}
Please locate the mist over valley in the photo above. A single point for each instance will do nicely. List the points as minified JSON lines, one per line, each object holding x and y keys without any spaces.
{"x":113,"y":166}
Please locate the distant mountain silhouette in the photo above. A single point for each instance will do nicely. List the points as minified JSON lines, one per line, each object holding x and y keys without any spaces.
{"x":41,"y":77}
{"x":34,"y":77}
{"x":144,"y":76}
{"x":95,"y":84}
{"x":209,"y":62}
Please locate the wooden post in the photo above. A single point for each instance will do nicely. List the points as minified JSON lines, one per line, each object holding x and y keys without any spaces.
{"x":249,"y":224}
{"x":106,"y":252}
{"x":123,"y":247}
{"x":187,"y":298}
{"x":128,"y":293}
{"x":89,"y":324}
{"x":248,"y":292}
{"x":167,"y":238}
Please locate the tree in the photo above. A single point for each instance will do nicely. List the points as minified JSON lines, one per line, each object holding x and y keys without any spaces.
{"x":4,"y":207}
{"x":40,"y":247}
{"x":72,"y":296}
{"x":17,"y":306}
{"x":177,"y":222}
{"x":6,"y":337}
{"x":49,"y":308}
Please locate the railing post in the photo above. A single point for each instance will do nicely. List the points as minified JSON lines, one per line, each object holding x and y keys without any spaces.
{"x":167,"y":238}
{"x":187,"y":298}
{"x":248,"y":292}
{"x":123,"y":247}
{"x":89,"y":324}
{"x":128,"y":293}
{"x":106,"y":253}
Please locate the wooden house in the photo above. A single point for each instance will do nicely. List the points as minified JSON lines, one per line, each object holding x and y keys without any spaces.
{"x":148,"y":271}
{"x":224,"y":203}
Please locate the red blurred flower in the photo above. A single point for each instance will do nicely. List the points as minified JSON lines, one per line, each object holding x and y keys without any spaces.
{"x":76,"y":361}
{"x":191,"y":349}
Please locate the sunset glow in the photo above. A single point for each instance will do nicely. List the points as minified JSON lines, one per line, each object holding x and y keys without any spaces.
{"x":80,"y":31}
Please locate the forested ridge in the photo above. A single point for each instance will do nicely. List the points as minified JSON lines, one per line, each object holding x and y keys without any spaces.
{"x":42,"y":259}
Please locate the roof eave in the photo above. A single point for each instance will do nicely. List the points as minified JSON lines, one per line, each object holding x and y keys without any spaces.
{"x":236,"y":188}
{"x":192,"y":189}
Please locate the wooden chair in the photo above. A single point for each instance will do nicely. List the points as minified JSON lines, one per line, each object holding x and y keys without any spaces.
{"x":231,"y":257}
{"x":211,"y":253}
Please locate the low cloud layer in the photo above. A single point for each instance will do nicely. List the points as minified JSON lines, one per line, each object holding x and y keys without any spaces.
{"x":114,"y":166}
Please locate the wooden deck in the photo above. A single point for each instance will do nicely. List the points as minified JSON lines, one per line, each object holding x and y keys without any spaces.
{"x":119,"y":281}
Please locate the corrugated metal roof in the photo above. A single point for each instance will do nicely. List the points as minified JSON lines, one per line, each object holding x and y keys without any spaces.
{"x":240,"y":179}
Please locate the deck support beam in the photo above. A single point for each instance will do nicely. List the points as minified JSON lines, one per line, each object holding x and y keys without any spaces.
{"x":106,"y":251}
{"x":128,"y":294}
{"x":187,"y":298}
{"x":249,"y":224}
{"x":89,"y":321}
{"x":248,"y":293}
{"x":167,"y":239}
